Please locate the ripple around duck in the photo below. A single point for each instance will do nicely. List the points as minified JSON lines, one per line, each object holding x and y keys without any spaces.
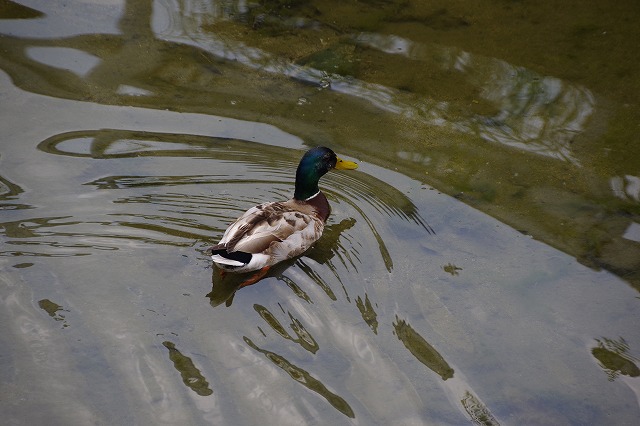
{"x":180,"y":209}
{"x":305,"y":378}
{"x":9,"y":192}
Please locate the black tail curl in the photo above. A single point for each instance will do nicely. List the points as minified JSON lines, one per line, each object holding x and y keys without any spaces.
{"x":239,"y":256}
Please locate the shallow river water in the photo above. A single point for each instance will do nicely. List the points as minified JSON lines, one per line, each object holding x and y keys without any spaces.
{"x":481,"y":266}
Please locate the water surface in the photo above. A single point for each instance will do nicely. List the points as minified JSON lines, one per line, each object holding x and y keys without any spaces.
{"x":480,"y":267}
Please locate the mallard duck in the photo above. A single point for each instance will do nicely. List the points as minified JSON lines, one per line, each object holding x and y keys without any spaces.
{"x":272,"y":232}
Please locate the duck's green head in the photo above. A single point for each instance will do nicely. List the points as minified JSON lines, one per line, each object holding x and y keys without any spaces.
{"x":314,"y":164}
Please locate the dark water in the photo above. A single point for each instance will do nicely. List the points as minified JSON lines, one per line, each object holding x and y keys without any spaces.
{"x":135,"y":132}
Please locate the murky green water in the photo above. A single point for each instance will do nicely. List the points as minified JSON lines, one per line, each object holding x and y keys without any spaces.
{"x":135,"y":132}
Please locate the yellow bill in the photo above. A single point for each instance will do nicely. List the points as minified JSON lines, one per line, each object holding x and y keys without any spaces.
{"x":345,"y":165}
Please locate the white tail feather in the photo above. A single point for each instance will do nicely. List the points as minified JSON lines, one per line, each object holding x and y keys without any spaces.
{"x":224,"y":261}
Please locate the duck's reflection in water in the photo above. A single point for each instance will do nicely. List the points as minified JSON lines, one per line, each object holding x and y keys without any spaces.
{"x":224,"y":287}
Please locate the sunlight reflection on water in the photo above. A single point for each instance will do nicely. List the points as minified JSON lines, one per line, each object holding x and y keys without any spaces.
{"x":538,"y":114}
